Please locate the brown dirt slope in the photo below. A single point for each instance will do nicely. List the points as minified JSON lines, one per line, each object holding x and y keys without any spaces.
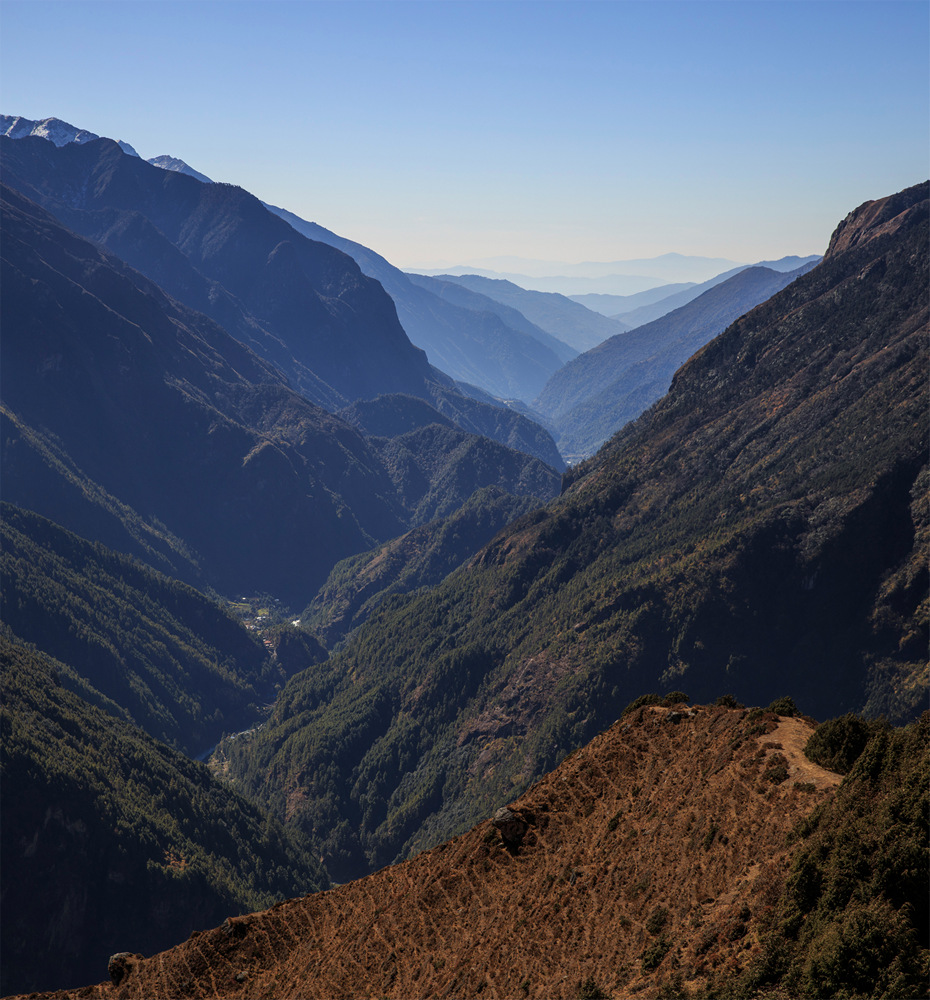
{"x":656,"y":849}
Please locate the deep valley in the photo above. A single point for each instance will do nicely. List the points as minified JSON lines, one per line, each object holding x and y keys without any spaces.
{"x":371,"y":633}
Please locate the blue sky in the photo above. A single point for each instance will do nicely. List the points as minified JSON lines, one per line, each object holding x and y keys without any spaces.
{"x":438,"y":132}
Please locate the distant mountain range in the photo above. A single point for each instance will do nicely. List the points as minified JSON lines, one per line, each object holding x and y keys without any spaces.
{"x":630,"y":309}
{"x":619,"y":277}
{"x":646,"y":312}
{"x":558,"y":315}
{"x":615,"y":305}
{"x":600,"y":391}
{"x":666,"y":267}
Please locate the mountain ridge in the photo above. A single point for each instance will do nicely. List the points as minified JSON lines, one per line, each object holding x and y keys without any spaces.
{"x":594,"y":395}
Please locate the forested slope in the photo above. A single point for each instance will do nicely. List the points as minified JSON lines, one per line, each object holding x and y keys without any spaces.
{"x":111,"y":841}
{"x":171,"y":660}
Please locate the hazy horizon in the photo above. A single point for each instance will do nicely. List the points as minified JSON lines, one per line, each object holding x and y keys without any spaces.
{"x":443,"y":133}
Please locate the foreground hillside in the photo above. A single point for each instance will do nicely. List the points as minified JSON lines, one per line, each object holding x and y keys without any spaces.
{"x":763,"y":527}
{"x":683,"y":852}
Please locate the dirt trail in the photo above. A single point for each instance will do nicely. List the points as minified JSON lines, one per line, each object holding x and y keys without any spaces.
{"x":793,"y":735}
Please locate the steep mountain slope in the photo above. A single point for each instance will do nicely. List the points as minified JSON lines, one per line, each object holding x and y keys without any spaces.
{"x":156,"y":652}
{"x":422,"y":557}
{"x":143,"y":425}
{"x":564,"y":319}
{"x":762,"y":528}
{"x":662,"y":859}
{"x":303,"y":306}
{"x":110,"y":839}
{"x":593,"y":396}
{"x":314,"y":306}
{"x":504,"y":355}
{"x":122,"y":408}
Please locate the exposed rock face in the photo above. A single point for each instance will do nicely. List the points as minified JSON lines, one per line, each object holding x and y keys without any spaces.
{"x":512,"y":828}
{"x":657,"y":846}
{"x":121,"y":965}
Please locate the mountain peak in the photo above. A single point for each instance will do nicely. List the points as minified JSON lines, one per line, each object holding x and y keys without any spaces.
{"x":179,"y":166}
{"x":53,"y":129}
{"x":877,"y":218}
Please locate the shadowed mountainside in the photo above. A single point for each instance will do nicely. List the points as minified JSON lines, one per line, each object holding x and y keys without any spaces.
{"x":136,"y":422}
{"x":301,"y":304}
{"x":146,"y":648}
{"x":110,"y":839}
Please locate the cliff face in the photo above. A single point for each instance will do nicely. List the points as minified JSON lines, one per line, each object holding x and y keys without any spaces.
{"x":658,"y":849}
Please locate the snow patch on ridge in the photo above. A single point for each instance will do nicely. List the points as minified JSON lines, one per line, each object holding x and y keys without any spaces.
{"x":53,"y":129}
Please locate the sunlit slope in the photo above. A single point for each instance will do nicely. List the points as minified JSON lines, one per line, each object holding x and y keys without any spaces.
{"x":682,"y":852}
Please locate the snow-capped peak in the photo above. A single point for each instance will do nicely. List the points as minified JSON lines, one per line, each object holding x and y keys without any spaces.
{"x":53,"y":129}
{"x":179,"y":166}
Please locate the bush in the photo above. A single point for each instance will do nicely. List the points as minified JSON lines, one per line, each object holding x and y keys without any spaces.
{"x":837,"y":743}
{"x":675,"y":698}
{"x":777,"y":769}
{"x":728,"y":701}
{"x":657,"y":920}
{"x":589,"y":990}
{"x":653,"y":955}
{"x":783,"y":706}
{"x":641,"y":701}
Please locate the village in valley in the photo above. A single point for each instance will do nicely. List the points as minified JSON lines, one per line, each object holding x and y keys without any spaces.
{"x":260,"y":614}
